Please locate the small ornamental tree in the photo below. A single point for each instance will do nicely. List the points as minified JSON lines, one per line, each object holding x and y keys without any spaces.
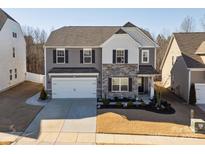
{"x":43,"y":95}
{"x":192,"y":95}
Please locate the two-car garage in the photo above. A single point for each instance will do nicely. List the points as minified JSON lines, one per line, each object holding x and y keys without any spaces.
{"x":74,"y":87}
{"x":74,"y":82}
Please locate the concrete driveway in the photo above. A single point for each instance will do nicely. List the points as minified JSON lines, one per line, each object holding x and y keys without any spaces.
{"x":63,"y":117}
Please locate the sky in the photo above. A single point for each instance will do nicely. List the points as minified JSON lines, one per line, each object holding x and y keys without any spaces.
{"x":155,"y":20}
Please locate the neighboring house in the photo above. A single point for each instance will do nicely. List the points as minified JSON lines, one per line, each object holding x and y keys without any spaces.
{"x":100,"y":61}
{"x":12,"y":52}
{"x":184,"y":64}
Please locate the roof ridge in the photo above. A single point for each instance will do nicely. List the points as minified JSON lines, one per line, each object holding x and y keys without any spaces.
{"x":187,"y":32}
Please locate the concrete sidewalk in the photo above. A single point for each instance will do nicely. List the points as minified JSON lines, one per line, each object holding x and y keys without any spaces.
{"x":145,"y":140}
{"x":102,"y":139}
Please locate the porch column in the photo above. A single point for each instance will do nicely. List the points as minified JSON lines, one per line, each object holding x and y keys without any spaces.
{"x":151,"y":88}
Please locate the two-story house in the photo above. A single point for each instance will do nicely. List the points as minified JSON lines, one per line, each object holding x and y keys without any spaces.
{"x":100,"y":61}
{"x":12,"y":52}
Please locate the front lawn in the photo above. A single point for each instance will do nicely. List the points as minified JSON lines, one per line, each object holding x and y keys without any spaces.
{"x":142,"y":122}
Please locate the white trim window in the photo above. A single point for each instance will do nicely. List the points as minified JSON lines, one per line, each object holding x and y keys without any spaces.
{"x":145,"y":56}
{"x":120,"y":56}
{"x":14,"y":34}
{"x":60,"y":56}
{"x":120,"y":84}
{"x":87,"y":56}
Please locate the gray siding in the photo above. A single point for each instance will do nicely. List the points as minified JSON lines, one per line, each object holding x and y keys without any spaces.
{"x":151,"y":56}
{"x":180,"y":79}
{"x":74,"y":61}
{"x":198,"y":77}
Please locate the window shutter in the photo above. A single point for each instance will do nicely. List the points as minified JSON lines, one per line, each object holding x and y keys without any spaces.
{"x":93,"y":56}
{"x":109,"y":84}
{"x":126,"y":56}
{"x":66,"y":56}
{"x":130,"y":84}
{"x":114,"y":56}
{"x":81,"y":56}
{"x":54,"y":56}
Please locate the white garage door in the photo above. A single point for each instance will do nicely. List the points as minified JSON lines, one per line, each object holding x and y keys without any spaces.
{"x":74,"y":87}
{"x":200,"y":93}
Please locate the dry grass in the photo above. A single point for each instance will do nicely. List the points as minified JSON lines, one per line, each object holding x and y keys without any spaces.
{"x":115,"y":123}
{"x":143,"y":122}
{"x":15,"y":114}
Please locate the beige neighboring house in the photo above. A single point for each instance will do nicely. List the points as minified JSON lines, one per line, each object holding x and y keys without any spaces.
{"x":184,"y":64}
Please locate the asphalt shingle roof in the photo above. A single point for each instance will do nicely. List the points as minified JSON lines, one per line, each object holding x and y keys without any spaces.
{"x":87,"y":35}
{"x":74,"y":70}
{"x":188,"y":44}
{"x":3,"y":17}
{"x":147,"y":69}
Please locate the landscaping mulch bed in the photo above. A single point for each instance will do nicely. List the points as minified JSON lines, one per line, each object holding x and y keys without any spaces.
{"x":147,"y":107}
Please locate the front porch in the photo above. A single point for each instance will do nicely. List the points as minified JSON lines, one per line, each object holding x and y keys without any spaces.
{"x":145,"y":87}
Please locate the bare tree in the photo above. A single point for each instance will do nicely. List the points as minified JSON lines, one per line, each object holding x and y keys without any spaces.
{"x":38,"y":35}
{"x":203,"y":22}
{"x":35,"y":38}
{"x":187,"y":24}
{"x":163,"y":42}
{"x":43,"y":36}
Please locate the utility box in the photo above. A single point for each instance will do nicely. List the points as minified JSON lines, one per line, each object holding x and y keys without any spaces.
{"x":198,"y":125}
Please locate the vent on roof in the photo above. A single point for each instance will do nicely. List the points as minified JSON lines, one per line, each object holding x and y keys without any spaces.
{"x":129,"y":24}
{"x":120,"y":31}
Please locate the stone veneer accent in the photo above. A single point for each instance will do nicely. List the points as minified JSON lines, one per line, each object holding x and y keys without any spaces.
{"x":119,"y":70}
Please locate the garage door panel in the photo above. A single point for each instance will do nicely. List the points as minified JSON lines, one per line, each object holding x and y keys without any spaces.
{"x":74,"y":88}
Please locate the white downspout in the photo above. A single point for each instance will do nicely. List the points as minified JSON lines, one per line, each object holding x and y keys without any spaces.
{"x":189,"y":82}
{"x":45,"y":74}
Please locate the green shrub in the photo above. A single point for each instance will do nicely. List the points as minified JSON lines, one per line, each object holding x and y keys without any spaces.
{"x":116,"y":99}
{"x":105,"y":101}
{"x":43,"y":95}
{"x":143,"y":103}
{"x":118,"y":103}
{"x":130,"y":104}
{"x":192,"y":95}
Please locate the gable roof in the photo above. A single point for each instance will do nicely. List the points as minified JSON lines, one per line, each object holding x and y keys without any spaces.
{"x":88,"y":35}
{"x":188,"y":44}
{"x":81,"y":35}
{"x":201,"y":48}
{"x":3,"y":17}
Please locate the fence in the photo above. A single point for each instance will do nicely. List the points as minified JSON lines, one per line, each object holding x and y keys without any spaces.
{"x":38,"y":78}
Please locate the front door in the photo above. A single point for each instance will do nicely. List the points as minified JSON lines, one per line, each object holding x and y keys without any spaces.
{"x":141,"y":85}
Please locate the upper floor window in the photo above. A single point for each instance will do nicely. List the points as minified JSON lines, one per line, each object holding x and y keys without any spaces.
{"x":87,"y":56}
{"x":120,"y":84}
{"x":14,"y":35}
{"x":60,"y":56}
{"x":14,"y":54}
{"x":120,"y":56}
{"x":145,"y":56}
{"x":10,"y":74}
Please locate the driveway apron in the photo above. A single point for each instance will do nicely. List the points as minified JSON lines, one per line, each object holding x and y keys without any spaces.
{"x":60,"y":116}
